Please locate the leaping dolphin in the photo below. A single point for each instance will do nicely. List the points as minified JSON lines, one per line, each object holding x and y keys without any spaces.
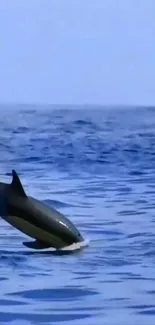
{"x":47,"y":226}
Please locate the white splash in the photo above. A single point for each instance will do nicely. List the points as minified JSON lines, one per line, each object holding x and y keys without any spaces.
{"x":76,"y":246}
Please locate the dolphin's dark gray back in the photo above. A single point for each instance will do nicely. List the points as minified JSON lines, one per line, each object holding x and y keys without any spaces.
{"x":4,"y":191}
{"x":43,"y":217}
{"x":9,"y":190}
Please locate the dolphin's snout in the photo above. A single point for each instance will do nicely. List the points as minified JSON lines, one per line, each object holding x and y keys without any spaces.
{"x":79,"y":237}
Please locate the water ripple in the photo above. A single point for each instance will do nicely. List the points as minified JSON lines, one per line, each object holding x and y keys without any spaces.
{"x":97,"y":167}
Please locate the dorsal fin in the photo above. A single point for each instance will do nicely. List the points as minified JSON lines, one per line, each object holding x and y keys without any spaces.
{"x":17,"y":185}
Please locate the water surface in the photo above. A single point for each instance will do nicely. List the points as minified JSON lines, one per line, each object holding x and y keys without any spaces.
{"x":98,"y":168}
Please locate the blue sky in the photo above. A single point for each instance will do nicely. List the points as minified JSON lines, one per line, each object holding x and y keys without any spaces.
{"x":77,"y":51}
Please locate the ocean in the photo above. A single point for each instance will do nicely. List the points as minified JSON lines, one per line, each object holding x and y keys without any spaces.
{"x":96,"y":166}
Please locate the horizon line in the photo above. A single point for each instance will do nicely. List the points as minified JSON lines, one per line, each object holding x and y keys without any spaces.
{"x":91,"y":105}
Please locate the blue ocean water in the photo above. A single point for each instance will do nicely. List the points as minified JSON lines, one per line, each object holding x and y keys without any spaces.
{"x":98,"y":168}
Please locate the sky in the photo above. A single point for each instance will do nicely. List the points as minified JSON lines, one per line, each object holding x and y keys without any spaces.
{"x":77,"y":52}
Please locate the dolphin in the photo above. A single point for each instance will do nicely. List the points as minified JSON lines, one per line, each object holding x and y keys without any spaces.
{"x":47,"y":226}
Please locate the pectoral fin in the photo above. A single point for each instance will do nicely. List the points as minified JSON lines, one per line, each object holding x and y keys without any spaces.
{"x":36,"y":244}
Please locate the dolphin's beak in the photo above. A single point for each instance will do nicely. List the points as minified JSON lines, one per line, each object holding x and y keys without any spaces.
{"x":79,"y":238}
